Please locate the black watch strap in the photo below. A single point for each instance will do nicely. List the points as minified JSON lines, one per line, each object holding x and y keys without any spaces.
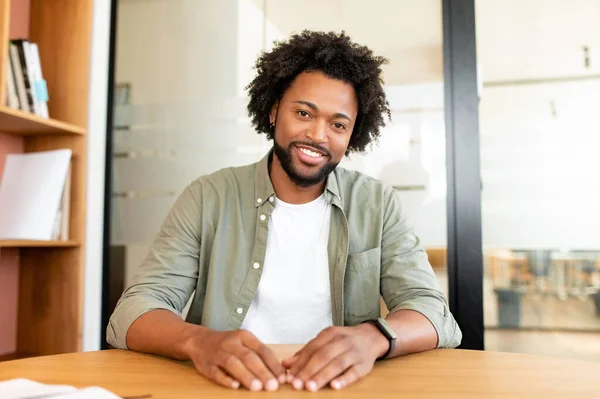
{"x":388,"y":332}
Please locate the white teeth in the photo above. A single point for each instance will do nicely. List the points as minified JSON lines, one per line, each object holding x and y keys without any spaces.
{"x":310,"y":153}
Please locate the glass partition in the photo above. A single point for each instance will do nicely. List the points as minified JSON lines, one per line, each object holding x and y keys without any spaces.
{"x":180,"y":104}
{"x":539,"y":125}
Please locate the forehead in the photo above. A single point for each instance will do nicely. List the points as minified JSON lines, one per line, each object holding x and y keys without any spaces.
{"x":326,"y":93}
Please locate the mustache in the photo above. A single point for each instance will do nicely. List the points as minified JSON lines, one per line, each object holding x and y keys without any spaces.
{"x":312,"y":145}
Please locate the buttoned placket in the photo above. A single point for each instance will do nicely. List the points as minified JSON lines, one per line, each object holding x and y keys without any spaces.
{"x":337,"y":250}
{"x":264,"y":209}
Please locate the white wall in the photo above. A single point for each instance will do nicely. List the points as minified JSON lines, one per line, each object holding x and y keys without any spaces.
{"x":92,"y":303}
{"x":539,"y":142}
{"x":407,"y":32}
{"x":540,"y":165}
{"x":536,"y":38}
{"x":182,"y":59}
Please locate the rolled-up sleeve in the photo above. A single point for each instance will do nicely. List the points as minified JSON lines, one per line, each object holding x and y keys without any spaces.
{"x":167,"y":277}
{"x":407,"y":278}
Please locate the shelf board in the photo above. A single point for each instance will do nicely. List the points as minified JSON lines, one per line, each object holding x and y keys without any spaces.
{"x":38,"y":244}
{"x":27,"y":124}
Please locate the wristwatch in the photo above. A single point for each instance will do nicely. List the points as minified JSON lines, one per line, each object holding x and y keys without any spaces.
{"x":388,"y":332}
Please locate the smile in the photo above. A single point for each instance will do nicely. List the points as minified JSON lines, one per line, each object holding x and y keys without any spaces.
{"x":310,"y":153}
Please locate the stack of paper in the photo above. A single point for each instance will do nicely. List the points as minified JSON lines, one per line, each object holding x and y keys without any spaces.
{"x":35,"y":196}
{"x":22,"y":388}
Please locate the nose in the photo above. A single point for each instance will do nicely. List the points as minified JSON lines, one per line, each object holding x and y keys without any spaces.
{"x":317,"y":132}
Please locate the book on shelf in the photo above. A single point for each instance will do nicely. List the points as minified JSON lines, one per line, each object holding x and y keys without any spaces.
{"x":12,"y":98}
{"x":27,"y":78}
{"x":19,"y":78}
{"x":35,"y":196}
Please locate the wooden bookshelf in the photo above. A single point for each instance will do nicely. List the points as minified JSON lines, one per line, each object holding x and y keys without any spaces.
{"x":37,"y":244}
{"x":27,"y":124}
{"x":49,"y":291}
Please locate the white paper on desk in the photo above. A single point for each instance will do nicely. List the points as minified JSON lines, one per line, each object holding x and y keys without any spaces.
{"x":30,"y":194}
{"x":21,"y":388}
{"x":89,"y":393}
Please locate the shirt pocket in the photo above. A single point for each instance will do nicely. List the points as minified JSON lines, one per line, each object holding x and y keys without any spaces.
{"x":365,"y":260}
{"x":361,"y":286}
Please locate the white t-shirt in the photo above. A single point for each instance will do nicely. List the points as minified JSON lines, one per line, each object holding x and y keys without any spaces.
{"x":293,"y":300}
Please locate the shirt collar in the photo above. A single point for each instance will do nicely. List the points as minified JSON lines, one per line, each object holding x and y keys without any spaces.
{"x":262,"y":182}
{"x":264,"y":188}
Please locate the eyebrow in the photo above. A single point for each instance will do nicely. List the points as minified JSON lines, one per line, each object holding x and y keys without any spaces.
{"x":315,"y":108}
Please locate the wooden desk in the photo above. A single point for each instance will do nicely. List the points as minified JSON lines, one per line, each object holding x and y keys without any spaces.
{"x":436,"y":374}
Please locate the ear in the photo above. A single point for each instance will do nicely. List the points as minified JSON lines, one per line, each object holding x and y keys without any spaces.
{"x":273,"y":113}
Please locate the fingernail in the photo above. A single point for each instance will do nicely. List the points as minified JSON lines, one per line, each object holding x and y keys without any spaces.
{"x":235,"y":384}
{"x":311,"y":386}
{"x":271,"y":385}
{"x":297,"y":384}
{"x":336,"y":384}
{"x":282,"y":379}
{"x":255,"y":385}
{"x":289,"y":378}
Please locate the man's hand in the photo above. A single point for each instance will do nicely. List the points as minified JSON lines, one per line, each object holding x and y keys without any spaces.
{"x":233,"y":357}
{"x":338,"y":356}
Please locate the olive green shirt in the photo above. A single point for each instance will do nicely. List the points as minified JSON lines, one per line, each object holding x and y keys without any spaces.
{"x":214,"y":240}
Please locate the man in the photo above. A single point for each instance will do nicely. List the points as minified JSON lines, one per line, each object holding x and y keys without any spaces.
{"x":291,"y":249}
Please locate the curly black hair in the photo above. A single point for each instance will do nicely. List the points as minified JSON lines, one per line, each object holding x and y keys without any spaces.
{"x":336,"y":56}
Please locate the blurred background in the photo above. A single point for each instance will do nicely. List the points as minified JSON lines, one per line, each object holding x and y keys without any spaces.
{"x":180,"y":112}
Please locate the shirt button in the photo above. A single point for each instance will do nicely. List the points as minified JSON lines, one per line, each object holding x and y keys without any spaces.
{"x":263,"y":217}
{"x":256,"y":265}
{"x":271,"y":199}
{"x":239,"y":310}
{"x":259,"y":200}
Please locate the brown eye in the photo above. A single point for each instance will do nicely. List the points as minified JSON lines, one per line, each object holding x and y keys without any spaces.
{"x":303,"y":114}
{"x":339,"y":126}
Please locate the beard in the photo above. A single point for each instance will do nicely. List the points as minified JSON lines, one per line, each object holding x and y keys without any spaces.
{"x":287,"y":164}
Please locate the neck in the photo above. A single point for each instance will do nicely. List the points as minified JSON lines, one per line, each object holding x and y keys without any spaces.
{"x":287,"y":191}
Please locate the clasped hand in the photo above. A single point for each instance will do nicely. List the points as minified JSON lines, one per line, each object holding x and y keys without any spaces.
{"x":338,"y":357}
